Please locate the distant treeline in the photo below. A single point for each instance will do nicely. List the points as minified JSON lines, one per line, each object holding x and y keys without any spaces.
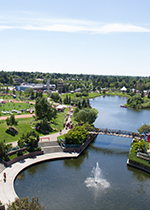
{"x":74,"y":81}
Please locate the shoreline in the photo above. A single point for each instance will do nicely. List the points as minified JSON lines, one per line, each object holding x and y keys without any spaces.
{"x":7,"y":191}
{"x":138,"y":166}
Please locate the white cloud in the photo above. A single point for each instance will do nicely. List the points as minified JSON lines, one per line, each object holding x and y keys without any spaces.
{"x":115,"y":27}
{"x":68,"y":25}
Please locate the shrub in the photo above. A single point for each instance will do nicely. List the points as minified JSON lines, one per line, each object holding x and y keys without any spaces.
{"x":19,"y":153}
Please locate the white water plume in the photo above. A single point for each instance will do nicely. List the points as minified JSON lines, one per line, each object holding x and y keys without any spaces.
{"x":97,"y":180}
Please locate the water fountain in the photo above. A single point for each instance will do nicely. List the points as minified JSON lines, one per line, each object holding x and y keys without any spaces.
{"x":97,"y":180}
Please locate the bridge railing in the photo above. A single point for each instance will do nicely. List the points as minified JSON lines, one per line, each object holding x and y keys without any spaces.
{"x":116,"y":131}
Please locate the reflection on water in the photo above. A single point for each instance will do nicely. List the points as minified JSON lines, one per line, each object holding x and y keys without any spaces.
{"x":76,"y":162}
{"x":21,"y":176}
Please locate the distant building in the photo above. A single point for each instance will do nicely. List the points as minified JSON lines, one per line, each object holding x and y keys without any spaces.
{"x":78,"y":90}
{"x":60,"y":85}
{"x":17,"y":80}
{"x":24,"y":86}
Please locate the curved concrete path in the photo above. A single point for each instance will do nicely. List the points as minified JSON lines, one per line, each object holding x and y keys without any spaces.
{"x":7,"y":192}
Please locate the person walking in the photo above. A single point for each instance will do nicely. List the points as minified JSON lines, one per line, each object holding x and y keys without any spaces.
{"x":4,"y":177}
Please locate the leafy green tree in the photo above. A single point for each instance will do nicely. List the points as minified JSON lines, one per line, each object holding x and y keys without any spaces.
{"x":142,"y":94}
{"x":25,"y":204}
{"x":44,"y":109}
{"x":76,"y":135}
{"x":79,"y":105}
{"x":32,"y":95}
{"x":144,"y":129}
{"x":31,"y":137}
{"x":11,"y":120}
{"x":21,"y":142}
{"x":32,"y":141}
{"x":86,"y":116}
{"x":2,"y":149}
{"x":28,"y":91}
{"x":135,"y":101}
{"x":43,"y":127}
{"x":66,"y":100}
{"x":8,"y":147}
{"x":85,"y":93}
{"x":55,"y":97}
{"x":141,"y":145}
{"x":76,"y":110}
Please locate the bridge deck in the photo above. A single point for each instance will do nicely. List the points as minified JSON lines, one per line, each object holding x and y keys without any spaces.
{"x":115,"y":132}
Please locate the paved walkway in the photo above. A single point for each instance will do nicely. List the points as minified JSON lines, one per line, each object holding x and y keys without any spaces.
{"x":17,"y":116}
{"x":7,"y":192}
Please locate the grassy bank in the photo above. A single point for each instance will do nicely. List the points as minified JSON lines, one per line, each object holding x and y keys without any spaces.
{"x":133,"y":157}
{"x":73,"y":95}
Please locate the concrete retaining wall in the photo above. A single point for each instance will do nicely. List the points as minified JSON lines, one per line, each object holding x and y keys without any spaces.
{"x":82,"y":147}
{"x":27,"y":155}
{"x":138,"y":165}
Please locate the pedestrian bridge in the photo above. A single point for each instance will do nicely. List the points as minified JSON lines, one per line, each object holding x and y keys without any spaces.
{"x":116,"y":132}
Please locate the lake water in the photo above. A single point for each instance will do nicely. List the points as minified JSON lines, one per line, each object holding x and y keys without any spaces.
{"x":68,"y":184}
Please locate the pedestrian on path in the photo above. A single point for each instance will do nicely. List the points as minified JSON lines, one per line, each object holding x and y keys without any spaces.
{"x":4,"y":177}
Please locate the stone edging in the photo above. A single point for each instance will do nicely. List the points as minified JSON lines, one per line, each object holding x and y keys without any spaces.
{"x":138,"y":166}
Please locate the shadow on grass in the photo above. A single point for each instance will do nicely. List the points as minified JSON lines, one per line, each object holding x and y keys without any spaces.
{"x":11,"y":131}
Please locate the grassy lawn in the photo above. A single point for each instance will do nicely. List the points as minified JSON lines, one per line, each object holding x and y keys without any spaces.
{"x":15,"y":155}
{"x":118,"y":94}
{"x":9,"y":106}
{"x":59,"y":121}
{"x":73,"y":95}
{"x":23,"y":126}
{"x":26,"y":124}
{"x":93,"y":95}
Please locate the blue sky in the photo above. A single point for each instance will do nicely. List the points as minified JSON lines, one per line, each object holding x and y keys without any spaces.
{"x":109,"y":37}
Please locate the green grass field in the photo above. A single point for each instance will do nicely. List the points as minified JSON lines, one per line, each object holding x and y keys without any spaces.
{"x":27,"y":124}
{"x":9,"y":106}
{"x":73,"y":95}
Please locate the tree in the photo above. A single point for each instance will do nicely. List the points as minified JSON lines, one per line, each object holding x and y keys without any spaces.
{"x":135,"y":101}
{"x":11,"y":120}
{"x":43,"y":127}
{"x":32,"y":138}
{"x":86,"y":116}
{"x":76,"y":135}
{"x":28,"y":91}
{"x":55,"y":97}
{"x":2,"y":149}
{"x":24,"y":203}
{"x":139,"y":145}
{"x":32,"y":141}
{"x":144,"y":129}
{"x":21,"y":142}
{"x":44,"y":109}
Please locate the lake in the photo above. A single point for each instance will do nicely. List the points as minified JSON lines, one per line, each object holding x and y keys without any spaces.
{"x":70,"y":183}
